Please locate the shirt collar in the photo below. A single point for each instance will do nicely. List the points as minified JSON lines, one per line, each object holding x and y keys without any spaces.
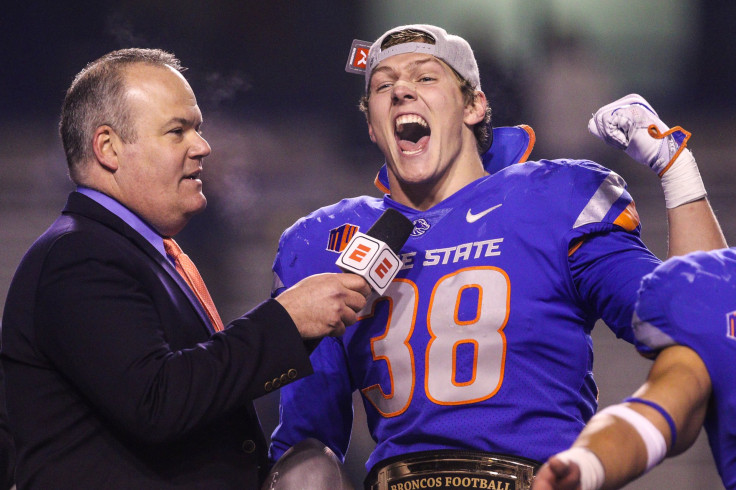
{"x":132,"y":219}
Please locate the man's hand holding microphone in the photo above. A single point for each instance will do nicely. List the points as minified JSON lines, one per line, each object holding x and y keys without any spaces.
{"x":324,"y":304}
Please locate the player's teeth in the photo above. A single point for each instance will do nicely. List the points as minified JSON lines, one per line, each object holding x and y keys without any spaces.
{"x":410,"y":118}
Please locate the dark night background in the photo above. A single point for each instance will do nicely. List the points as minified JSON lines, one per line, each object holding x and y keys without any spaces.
{"x":281,"y":115}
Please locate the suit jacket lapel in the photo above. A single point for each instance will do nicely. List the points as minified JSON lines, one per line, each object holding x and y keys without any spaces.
{"x":80,"y":204}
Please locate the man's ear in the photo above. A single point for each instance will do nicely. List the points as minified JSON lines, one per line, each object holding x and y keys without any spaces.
{"x":105,"y":143}
{"x":476,"y":111}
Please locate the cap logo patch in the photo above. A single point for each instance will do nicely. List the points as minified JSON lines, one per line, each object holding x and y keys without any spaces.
{"x":358,"y":58}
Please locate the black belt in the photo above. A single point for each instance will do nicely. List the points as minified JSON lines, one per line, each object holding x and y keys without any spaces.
{"x":452,"y":469}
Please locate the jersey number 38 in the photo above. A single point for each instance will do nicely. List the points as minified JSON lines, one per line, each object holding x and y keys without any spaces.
{"x":481,"y":332}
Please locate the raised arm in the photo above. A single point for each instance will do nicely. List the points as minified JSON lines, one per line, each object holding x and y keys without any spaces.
{"x":631,"y":124}
{"x":693,"y":226}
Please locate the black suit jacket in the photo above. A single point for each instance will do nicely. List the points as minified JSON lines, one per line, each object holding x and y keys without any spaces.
{"x":112,"y":377}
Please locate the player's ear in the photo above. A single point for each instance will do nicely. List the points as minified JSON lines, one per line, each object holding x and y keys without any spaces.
{"x":371,"y":134}
{"x":475,"y":112}
{"x":105,"y":143}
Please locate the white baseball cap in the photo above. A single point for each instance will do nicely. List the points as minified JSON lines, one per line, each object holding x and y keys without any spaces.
{"x":452,"y":49}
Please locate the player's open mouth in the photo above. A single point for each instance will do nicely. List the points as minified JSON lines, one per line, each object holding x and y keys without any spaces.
{"x":412,"y":133}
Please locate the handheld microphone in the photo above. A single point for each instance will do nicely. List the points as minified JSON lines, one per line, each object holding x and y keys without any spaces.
{"x":374,"y":255}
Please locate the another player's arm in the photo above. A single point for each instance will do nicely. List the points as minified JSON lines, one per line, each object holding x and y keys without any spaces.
{"x":679,"y":383}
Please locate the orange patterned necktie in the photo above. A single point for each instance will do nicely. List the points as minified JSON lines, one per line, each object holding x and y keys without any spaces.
{"x":186,"y":268}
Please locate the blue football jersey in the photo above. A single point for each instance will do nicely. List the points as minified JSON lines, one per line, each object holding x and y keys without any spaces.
{"x":483,"y":340}
{"x":691,"y":301}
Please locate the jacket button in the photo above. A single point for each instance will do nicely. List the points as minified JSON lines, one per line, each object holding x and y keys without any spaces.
{"x":292,"y":373}
{"x":268,"y":386}
{"x":276,"y":383}
{"x":248,"y":446}
{"x":284,"y":379}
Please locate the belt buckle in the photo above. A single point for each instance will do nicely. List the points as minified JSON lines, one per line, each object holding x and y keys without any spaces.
{"x":456,"y":470}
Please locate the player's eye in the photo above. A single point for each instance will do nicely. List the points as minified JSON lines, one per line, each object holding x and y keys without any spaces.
{"x":380,"y":87}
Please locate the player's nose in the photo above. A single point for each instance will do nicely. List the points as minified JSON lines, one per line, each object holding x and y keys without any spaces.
{"x":403,"y":90}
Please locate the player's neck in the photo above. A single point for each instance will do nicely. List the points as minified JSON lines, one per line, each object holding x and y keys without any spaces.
{"x":425,"y":195}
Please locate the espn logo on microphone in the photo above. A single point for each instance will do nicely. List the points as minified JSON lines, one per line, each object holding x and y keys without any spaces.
{"x":371,"y":259}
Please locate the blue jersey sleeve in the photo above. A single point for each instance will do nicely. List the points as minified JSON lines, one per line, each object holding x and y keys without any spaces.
{"x":607,"y":259}
{"x":689,"y":300}
{"x":318,"y":406}
{"x":607,"y":270}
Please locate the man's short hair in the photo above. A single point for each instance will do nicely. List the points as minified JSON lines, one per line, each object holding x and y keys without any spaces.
{"x":482,"y":130}
{"x":98,"y":96}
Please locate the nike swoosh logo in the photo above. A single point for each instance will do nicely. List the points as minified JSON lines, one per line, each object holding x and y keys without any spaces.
{"x":472,"y":218}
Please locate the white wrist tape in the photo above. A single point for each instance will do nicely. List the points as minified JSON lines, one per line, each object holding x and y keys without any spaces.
{"x":652,"y":437}
{"x":681,"y":182}
{"x":592,"y":473}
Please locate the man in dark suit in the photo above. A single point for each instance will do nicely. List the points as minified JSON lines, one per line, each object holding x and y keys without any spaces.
{"x":118,"y":374}
{"x":7,"y":447}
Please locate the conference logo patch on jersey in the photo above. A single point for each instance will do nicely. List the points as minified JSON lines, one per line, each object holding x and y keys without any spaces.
{"x":731,"y":327}
{"x":420,"y":227}
{"x":340,"y":237}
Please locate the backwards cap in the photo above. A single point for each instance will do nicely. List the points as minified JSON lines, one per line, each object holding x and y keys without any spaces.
{"x":453,"y":50}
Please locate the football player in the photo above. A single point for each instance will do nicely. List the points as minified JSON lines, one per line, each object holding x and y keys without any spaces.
{"x":480,"y":350}
{"x":686,"y":309}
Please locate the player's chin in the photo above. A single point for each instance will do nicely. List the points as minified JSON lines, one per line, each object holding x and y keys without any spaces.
{"x":415,"y":173}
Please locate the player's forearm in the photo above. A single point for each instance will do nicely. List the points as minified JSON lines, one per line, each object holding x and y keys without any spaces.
{"x":618,"y":447}
{"x":693,"y":226}
{"x":607,"y":454}
{"x":679,"y":382}
{"x":663,"y":418}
